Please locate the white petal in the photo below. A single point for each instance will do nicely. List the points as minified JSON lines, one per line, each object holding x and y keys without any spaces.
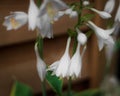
{"x":44,"y":26}
{"x":117,"y":17}
{"x":83,"y":51}
{"x":110,"y":41}
{"x":15,"y":20}
{"x":32,"y":15}
{"x":41,"y":66}
{"x":62,"y":68}
{"x":75,"y":64}
{"x":103,"y":14}
{"x":100,"y":44}
{"x":53,"y":66}
{"x":110,"y":4}
{"x":59,"y":5}
{"x":101,"y":33}
{"x":109,"y":51}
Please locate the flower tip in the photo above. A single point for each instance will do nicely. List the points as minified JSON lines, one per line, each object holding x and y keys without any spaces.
{"x":85,"y":3}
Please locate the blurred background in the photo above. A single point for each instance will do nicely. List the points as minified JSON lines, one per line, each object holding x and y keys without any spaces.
{"x":17,"y":57}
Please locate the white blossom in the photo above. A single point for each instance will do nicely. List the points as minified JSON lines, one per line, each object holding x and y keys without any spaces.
{"x":102,"y":35}
{"x":76,"y":63}
{"x":41,"y":66}
{"x":51,"y":8}
{"x":60,"y":68}
{"x":18,"y":19}
{"x":110,"y":4}
{"x":102,"y":14}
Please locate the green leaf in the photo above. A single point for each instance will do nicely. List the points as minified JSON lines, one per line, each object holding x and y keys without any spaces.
{"x":94,"y":92}
{"x":20,"y":89}
{"x":54,"y":82}
{"x":87,"y":17}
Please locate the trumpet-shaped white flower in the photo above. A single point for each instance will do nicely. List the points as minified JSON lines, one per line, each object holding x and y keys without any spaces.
{"x":15,"y":20}
{"x":41,"y":66}
{"x":51,"y":8}
{"x":102,"y":14}
{"x":60,"y":68}
{"x":18,"y":19}
{"x":82,"y":39}
{"x":117,"y":16}
{"x":102,"y":35}
{"x":76,"y":63}
{"x":110,"y":4}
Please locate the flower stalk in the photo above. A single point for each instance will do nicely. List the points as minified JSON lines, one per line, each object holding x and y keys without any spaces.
{"x":75,"y":44}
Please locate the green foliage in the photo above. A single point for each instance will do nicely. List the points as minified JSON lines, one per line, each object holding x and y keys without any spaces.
{"x":86,"y":17}
{"x":117,"y":45}
{"x":54,"y":82}
{"x":20,"y":89}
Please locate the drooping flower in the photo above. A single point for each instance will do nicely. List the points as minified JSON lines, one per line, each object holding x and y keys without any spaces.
{"x":60,"y":68}
{"x":102,"y":35}
{"x":110,"y":4}
{"x":51,"y":8}
{"x":76,"y":61}
{"x":102,"y":14}
{"x":41,"y":66}
{"x":18,"y":19}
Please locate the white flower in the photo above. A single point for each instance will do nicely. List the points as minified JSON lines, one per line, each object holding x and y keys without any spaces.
{"x":15,"y":20}
{"x":85,"y":2}
{"x":76,"y":63}
{"x":60,"y":68}
{"x":18,"y":19}
{"x":110,"y":4}
{"x":117,"y":16}
{"x":102,"y":14}
{"x":82,"y":39}
{"x":41,"y":66}
{"x":51,"y":8}
{"x":102,"y":35}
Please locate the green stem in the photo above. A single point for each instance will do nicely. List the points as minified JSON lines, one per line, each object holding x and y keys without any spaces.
{"x":69,"y":87}
{"x":43,"y":88}
{"x":75,"y":44}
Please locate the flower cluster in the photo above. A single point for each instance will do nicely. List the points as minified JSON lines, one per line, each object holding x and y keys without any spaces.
{"x":41,"y":18}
